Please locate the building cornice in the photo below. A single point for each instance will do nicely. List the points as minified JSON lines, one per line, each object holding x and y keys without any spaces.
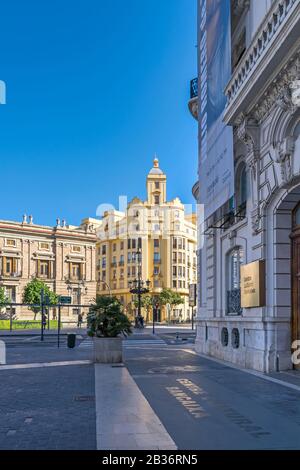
{"x":277,"y":34}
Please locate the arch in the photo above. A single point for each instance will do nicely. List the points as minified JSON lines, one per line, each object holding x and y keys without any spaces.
{"x":241,"y":183}
{"x":278,"y":226}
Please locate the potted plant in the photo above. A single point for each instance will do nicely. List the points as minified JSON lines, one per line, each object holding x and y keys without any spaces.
{"x":108,"y":324}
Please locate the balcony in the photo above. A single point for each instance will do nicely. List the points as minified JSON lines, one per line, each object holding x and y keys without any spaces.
{"x":14,"y":275}
{"x":193,"y":102}
{"x":271,"y":47}
{"x":234,"y":302}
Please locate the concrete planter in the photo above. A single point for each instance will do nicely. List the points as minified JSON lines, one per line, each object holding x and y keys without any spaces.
{"x":108,"y":350}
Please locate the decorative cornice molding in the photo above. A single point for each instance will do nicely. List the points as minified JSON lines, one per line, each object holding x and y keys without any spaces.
{"x":282,"y":91}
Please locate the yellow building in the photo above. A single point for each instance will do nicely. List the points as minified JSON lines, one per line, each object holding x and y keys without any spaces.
{"x":166,"y":237}
{"x":62,"y":256}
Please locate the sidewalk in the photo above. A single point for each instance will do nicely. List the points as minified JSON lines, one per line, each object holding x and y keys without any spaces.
{"x":125,"y":420}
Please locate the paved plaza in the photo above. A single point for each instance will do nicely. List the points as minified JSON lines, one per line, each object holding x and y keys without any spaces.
{"x":164,"y":397}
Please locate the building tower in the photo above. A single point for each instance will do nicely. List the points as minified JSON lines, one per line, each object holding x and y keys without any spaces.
{"x":156,"y":185}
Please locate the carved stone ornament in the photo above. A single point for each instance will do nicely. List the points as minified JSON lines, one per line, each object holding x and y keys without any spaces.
{"x":248,"y":133}
{"x":255,"y":219}
{"x":282,"y":91}
{"x":284,"y":155}
{"x":239,"y":6}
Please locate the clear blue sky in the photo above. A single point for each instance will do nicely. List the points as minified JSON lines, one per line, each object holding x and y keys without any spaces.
{"x":94,"y":89}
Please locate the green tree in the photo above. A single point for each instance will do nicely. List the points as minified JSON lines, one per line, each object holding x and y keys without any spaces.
{"x":147,"y":304}
{"x":4,"y":300}
{"x":168,"y":296}
{"x":32,"y":295}
{"x":106,"y":318}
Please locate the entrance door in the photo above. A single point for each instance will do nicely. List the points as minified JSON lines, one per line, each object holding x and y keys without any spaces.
{"x":296,"y":277}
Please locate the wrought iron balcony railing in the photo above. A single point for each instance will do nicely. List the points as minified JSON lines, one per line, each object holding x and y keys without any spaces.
{"x":234,"y":302}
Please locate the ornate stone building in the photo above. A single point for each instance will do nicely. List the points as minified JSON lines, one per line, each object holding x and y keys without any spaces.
{"x":166,"y":236}
{"x":64,"y":257}
{"x":262,"y":222}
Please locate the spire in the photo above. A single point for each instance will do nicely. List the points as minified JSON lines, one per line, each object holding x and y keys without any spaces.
{"x":155,"y":161}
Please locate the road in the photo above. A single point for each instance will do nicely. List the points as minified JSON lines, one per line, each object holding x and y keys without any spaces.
{"x":205,"y":405}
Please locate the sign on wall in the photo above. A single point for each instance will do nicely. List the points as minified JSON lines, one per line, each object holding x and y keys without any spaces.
{"x":216,"y":166}
{"x":253,"y":290}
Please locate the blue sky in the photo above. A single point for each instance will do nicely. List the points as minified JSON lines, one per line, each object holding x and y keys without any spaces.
{"x":94,"y":89}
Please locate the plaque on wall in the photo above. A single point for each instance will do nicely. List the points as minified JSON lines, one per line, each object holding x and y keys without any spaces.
{"x":253,"y":292}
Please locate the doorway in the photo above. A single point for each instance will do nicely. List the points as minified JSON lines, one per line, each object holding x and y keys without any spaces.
{"x":295,"y":236}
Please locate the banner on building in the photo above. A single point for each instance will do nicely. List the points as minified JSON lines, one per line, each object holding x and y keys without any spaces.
{"x":216,"y":166}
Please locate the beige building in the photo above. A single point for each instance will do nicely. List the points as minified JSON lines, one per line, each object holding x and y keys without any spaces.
{"x":63,"y":256}
{"x":166,"y":237}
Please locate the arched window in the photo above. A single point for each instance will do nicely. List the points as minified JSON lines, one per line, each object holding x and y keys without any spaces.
{"x":234,"y":261}
{"x":241,"y":186}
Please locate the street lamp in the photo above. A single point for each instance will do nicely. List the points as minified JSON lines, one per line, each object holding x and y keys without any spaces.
{"x":106,"y":285}
{"x":138,"y":286}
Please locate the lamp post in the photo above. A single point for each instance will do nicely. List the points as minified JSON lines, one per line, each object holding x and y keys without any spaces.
{"x":138,"y":286}
{"x":106,"y":285}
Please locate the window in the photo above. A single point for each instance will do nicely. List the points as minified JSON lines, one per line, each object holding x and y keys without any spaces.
{"x":241,"y":186}
{"x":156,"y":271}
{"x":122,"y":246}
{"x":10,"y":292}
{"x":9,"y":266}
{"x":44,"y":268}
{"x":122,"y":260}
{"x":128,"y":243}
{"x":75,"y":271}
{"x":114,"y":246}
{"x":103,"y":262}
{"x":174,"y":285}
{"x":133,"y":245}
{"x":175,"y":243}
{"x":103,"y":249}
{"x":156,"y":257}
{"x":156,"y":200}
{"x":156,"y":184}
{"x":156,"y":243}
{"x":10,"y":242}
{"x":175,"y":271}
{"x":44,"y":246}
{"x":234,"y":262}
{"x":179,"y":243}
{"x":156,"y":228}
{"x":76,"y":249}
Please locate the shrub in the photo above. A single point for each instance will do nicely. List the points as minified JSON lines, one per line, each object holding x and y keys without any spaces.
{"x":106,"y":318}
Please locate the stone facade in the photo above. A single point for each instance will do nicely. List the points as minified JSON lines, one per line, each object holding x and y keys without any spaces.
{"x":62,"y":256}
{"x":167,"y":238}
{"x":263,"y":108}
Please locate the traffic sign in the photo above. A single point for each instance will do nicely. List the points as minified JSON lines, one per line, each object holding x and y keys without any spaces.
{"x":65,"y":300}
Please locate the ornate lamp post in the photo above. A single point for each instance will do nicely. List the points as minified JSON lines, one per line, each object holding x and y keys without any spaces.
{"x":138,"y":286}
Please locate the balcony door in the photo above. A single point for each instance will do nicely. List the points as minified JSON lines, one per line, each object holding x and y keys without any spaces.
{"x":295,"y":326}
